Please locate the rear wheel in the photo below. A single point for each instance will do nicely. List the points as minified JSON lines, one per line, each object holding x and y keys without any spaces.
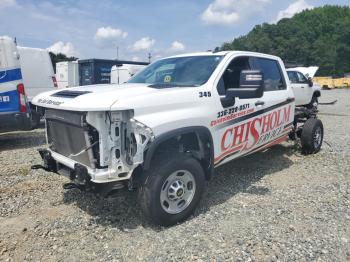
{"x":34,"y":120}
{"x":312,"y":136}
{"x":172,"y":189}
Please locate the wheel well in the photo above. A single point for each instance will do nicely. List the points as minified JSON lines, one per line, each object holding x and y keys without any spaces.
{"x":317,"y":94}
{"x":36,"y":109}
{"x":197,"y":143}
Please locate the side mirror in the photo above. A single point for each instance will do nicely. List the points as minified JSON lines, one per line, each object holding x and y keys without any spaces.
{"x":251,"y":85}
{"x":309,"y":81}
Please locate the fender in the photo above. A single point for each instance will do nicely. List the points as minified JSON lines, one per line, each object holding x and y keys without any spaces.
{"x":200,"y":131}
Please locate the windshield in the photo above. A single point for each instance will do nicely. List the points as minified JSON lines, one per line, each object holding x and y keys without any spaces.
{"x":178,"y":71}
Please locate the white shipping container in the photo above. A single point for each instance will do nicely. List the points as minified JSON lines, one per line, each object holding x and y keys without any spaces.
{"x":67,"y":74}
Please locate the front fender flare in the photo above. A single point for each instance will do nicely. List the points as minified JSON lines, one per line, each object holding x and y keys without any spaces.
{"x":201,"y":131}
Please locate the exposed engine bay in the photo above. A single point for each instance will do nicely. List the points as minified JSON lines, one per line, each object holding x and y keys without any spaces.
{"x":109,"y":144}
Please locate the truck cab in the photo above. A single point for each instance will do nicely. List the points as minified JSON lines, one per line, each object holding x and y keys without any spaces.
{"x":165,"y":131}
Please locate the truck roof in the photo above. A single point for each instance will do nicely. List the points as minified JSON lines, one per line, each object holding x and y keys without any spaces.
{"x":224,"y":53}
{"x":114,"y":61}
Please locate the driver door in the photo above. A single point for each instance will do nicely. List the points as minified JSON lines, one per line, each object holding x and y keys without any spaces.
{"x":229,"y":127}
{"x":247,"y":125}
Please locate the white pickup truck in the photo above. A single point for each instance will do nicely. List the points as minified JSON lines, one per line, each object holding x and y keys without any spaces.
{"x":168,"y":127}
{"x":305,"y":91}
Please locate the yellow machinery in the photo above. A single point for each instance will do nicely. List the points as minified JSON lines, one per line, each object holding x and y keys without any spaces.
{"x":329,"y":82}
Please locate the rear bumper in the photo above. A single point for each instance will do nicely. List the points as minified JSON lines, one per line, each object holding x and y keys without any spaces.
{"x":14,"y":121}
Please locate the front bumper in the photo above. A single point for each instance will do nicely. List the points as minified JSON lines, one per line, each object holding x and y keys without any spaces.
{"x":76,"y":171}
{"x":14,"y":121}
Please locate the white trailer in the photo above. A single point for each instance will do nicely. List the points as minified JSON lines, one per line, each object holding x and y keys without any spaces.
{"x":67,"y":74}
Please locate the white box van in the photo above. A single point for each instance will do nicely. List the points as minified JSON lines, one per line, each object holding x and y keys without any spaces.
{"x":14,"y":107}
{"x":67,"y":74}
{"x":37,"y":71}
{"x":24,"y":73}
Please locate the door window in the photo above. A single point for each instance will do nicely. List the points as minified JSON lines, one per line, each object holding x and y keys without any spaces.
{"x":230,"y":79}
{"x":301,"y":78}
{"x":293,"y":77}
{"x":273,"y":79}
{"x":296,"y":77}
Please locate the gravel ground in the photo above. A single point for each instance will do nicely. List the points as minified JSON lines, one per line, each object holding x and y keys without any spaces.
{"x":272,"y":206}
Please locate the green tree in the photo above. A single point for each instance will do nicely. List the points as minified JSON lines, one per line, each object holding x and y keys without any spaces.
{"x":55,"y":58}
{"x":320,"y":36}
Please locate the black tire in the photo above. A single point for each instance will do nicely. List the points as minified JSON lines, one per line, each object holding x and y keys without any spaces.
{"x":312,"y":136}
{"x":34,"y":120}
{"x":292,"y":136}
{"x":149,"y":193}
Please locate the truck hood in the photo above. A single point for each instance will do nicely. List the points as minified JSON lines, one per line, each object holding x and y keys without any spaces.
{"x":306,"y":71}
{"x":109,"y":97}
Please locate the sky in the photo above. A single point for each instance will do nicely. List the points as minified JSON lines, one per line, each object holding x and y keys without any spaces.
{"x":97,"y":29}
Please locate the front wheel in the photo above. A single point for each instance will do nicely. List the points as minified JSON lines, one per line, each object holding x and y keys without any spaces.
{"x":172,"y":189}
{"x":312,"y":136}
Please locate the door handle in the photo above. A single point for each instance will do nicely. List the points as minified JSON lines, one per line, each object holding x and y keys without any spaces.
{"x":259,"y":103}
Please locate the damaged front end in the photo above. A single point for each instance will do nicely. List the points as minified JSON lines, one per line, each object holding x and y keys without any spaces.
{"x":98,"y":147}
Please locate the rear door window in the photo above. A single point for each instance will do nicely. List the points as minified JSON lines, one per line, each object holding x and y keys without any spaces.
{"x":273,"y":78}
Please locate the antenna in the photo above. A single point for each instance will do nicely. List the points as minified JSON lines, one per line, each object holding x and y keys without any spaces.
{"x":149,"y":57}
